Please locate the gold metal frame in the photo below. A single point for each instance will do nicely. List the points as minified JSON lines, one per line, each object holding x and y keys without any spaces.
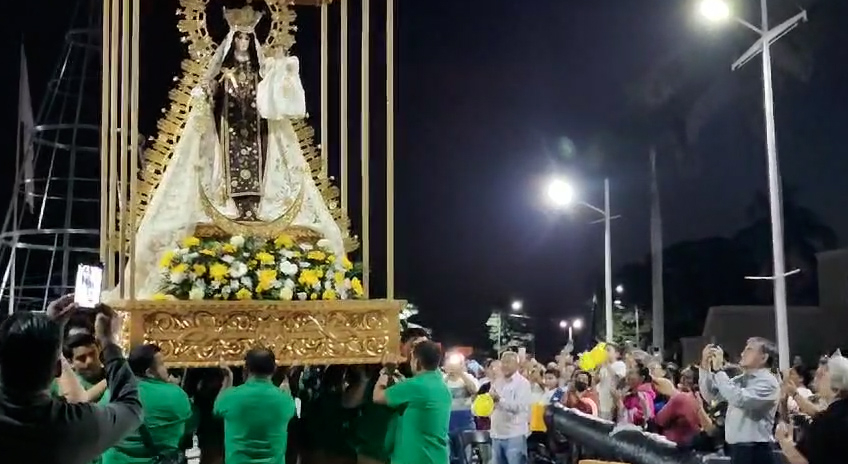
{"x":202,"y":330}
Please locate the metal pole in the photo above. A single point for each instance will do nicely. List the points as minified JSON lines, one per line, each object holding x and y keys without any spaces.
{"x":607,"y":262}
{"x":365,"y":82}
{"x":343,"y":109}
{"x":570,"y":334}
{"x":325,"y":54}
{"x":775,"y":201}
{"x":636,"y":313}
{"x":390,"y":149}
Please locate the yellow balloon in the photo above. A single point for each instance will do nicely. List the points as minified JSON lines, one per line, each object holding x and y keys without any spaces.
{"x":483,"y":405}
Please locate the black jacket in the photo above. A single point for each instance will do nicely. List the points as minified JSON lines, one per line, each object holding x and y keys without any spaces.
{"x":45,"y":430}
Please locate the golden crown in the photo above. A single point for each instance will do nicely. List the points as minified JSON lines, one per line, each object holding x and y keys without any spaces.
{"x":243,"y":19}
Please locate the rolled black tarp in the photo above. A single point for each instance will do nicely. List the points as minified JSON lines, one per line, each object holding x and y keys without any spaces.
{"x":631,"y":446}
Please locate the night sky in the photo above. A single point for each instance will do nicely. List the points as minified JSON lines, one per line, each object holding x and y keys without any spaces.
{"x":486,"y":93}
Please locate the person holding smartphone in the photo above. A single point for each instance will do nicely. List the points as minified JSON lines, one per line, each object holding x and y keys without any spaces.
{"x":38,"y":428}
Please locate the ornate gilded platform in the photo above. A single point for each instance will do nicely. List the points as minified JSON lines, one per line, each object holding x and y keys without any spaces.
{"x":205,"y":333}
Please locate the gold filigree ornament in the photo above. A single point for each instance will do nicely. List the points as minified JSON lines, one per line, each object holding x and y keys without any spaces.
{"x":204,"y":333}
{"x":201,"y":47}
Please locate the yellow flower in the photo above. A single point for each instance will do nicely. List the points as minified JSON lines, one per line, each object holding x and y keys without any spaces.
{"x":331,"y":258}
{"x":283,"y":241}
{"x":228,"y":248}
{"x":317,"y":255}
{"x":167,"y":257}
{"x":219,"y":271}
{"x":329,"y":294}
{"x":308,"y":277}
{"x":356,"y":286}
{"x":199,"y":269}
{"x":319,"y":273}
{"x":339,"y":277}
{"x":244,"y":294}
{"x":207,"y":252}
{"x":179,"y":269}
{"x":265,"y":258}
{"x":189,"y":242}
{"x":313,"y":296}
{"x":160,"y":297}
{"x":267,"y":277}
{"x":296,"y":254}
{"x":252,"y":263}
{"x":346,"y":263}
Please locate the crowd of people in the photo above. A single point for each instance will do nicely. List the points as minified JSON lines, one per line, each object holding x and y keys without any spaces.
{"x":68,"y":395}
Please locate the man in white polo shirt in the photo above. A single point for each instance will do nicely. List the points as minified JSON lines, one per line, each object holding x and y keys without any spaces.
{"x":511,"y":417}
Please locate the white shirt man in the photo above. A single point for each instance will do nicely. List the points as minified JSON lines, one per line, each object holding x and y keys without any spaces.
{"x":511,"y":417}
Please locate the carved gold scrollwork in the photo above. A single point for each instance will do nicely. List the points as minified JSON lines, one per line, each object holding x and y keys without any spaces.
{"x":204,"y":333}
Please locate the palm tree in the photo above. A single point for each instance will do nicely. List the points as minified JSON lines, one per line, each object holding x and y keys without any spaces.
{"x":805,"y":235}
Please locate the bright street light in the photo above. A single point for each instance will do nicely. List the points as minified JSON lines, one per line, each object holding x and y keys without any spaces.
{"x":560,"y":193}
{"x":563,"y":324}
{"x":718,"y":9}
{"x":577,"y":324}
{"x":517,"y":305}
{"x":619,"y":288}
{"x":714,"y":10}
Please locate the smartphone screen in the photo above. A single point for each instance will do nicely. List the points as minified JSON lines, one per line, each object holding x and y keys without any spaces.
{"x":88,"y":285}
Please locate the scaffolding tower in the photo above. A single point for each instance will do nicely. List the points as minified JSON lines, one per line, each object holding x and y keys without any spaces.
{"x":53,"y":219}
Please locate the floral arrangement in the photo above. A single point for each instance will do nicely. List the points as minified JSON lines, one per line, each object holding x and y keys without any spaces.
{"x":249,"y":268}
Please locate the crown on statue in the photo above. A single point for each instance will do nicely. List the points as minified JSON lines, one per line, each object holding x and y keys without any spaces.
{"x":242,"y":19}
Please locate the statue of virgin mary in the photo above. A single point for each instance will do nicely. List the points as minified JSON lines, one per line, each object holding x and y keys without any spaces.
{"x":238,"y":153}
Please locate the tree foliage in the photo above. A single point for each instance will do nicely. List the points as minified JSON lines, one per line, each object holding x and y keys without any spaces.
{"x":509,"y":331}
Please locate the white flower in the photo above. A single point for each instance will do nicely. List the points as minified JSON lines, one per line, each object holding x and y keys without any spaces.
{"x":287,"y":294}
{"x":289,"y":284}
{"x":306,"y":247}
{"x":237,"y":241}
{"x":181,"y":251}
{"x":234,"y":285}
{"x":178,"y":277}
{"x":215,"y":284}
{"x":323,"y":243}
{"x":304,"y":264}
{"x":288,"y":254}
{"x":227,"y":259}
{"x":238,"y":270}
{"x":288,"y":268}
{"x":192,"y":256}
{"x":301,"y":296}
{"x":317,"y":285}
{"x":276,"y":284}
{"x":196,"y":293}
{"x":247,"y":283}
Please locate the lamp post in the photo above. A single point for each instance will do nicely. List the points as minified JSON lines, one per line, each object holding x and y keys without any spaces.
{"x":561,"y":195}
{"x":575,"y":324}
{"x":719,"y":10}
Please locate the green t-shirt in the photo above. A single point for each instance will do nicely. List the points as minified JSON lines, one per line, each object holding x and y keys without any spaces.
{"x":256,"y":419}
{"x":422,"y":437}
{"x":86,"y":385}
{"x":372,"y":426}
{"x":167,"y":410}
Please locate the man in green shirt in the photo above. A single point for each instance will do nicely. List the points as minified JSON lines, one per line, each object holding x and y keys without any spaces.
{"x":422,"y":434}
{"x":256,"y":414}
{"x":167,"y":410}
{"x":83,"y":354}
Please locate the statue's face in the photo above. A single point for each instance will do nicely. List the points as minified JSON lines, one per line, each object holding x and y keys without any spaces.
{"x":242,"y":42}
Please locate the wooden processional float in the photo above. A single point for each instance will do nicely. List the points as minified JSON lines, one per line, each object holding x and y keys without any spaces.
{"x":207,"y":332}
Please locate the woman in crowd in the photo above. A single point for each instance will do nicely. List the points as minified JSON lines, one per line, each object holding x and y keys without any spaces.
{"x":824,"y":441}
{"x":636,"y":400}
{"x":679,"y":419}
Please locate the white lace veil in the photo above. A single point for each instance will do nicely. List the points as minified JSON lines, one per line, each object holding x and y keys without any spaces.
{"x":221,"y":52}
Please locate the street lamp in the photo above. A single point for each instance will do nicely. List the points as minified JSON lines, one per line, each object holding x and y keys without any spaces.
{"x":561,"y":195}
{"x":714,"y":10}
{"x":719,"y":10}
{"x":576,"y":324}
{"x":516,"y":305}
{"x":619,"y":289}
